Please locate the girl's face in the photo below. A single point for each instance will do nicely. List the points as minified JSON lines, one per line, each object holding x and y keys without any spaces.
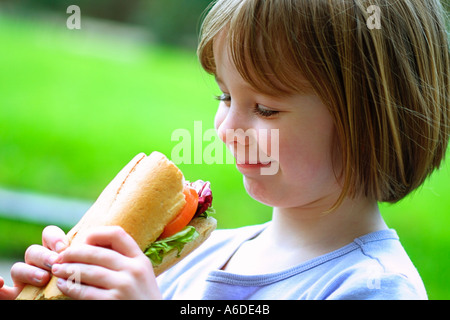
{"x":299,"y":144}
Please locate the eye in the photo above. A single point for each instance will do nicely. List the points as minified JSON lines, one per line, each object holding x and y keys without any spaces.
{"x":224,"y":97}
{"x":265,"y":112}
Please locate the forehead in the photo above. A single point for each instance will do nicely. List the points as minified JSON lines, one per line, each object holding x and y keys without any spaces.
{"x":225,"y":69}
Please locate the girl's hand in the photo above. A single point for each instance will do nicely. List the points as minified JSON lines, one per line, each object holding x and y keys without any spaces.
{"x":110,"y":265}
{"x":38,"y":262}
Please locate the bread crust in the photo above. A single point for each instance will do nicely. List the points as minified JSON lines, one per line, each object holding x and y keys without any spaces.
{"x":142,"y":199}
{"x":101,"y":206}
{"x":151,"y":197}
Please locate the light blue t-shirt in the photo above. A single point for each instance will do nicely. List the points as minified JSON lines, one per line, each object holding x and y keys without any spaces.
{"x":374,"y":266}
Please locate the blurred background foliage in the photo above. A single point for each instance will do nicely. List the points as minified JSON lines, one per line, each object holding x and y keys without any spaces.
{"x":76,"y":105}
{"x":173,"y":22}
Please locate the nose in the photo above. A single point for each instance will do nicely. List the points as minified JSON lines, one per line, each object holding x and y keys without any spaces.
{"x":230,"y":122}
{"x":234,"y":127}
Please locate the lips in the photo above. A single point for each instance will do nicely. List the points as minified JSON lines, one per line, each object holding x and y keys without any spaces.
{"x":250,"y":160}
{"x":247,"y":163}
{"x":245,"y":159}
{"x":253,"y":166}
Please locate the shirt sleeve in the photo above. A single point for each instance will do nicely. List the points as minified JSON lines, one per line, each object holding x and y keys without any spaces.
{"x":386,"y":286}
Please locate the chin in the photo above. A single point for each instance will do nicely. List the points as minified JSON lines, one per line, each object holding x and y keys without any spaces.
{"x":263,"y":191}
{"x":272,"y":193}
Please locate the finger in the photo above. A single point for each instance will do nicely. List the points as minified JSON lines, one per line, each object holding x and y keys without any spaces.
{"x":80,"y":291}
{"x":115,"y":238}
{"x":23,"y":273}
{"x":91,"y":275}
{"x":40,"y":257}
{"x":8,"y":293}
{"x":93,"y":255}
{"x":54,"y":239}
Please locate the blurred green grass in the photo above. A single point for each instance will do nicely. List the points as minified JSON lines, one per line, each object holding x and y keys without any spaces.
{"x":76,"y":106}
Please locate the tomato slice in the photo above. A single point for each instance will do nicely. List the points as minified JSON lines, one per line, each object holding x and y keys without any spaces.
{"x":185,"y":215}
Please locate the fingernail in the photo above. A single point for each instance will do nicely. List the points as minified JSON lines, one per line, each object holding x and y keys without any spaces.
{"x":38,"y":276}
{"x":51,"y":260}
{"x":59,"y":246}
{"x":55,"y":268}
{"x":61,"y":282}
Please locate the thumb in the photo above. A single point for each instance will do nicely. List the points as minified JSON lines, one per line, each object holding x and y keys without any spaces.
{"x":54,"y":239}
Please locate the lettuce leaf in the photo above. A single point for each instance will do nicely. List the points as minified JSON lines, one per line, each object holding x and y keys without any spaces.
{"x":160,"y":248}
{"x":208,"y":212}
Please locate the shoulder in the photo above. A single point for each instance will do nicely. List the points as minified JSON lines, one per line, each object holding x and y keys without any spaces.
{"x":378,"y":286}
{"x":380,"y":270}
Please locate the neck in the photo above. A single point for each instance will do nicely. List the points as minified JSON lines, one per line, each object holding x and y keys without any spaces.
{"x":297,"y":235}
{"x":311,"y":228}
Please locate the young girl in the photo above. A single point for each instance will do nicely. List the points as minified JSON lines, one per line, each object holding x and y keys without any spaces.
{"x":362,"y":116}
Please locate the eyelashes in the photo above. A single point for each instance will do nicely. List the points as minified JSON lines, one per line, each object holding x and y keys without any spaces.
{"x":264,"y":111}
{"x":224,"y":97}
{"x":258,"y":109}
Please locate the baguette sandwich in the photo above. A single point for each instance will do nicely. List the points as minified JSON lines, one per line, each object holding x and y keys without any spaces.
{"x":150,"y":199}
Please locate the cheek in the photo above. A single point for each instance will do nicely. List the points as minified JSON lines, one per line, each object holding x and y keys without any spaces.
{"x":307,"y":158}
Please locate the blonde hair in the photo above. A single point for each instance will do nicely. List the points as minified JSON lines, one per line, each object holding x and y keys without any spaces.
{"x":387,"y":89}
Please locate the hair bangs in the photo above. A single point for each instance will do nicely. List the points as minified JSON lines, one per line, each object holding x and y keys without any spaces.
{"x":271,"y":67}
